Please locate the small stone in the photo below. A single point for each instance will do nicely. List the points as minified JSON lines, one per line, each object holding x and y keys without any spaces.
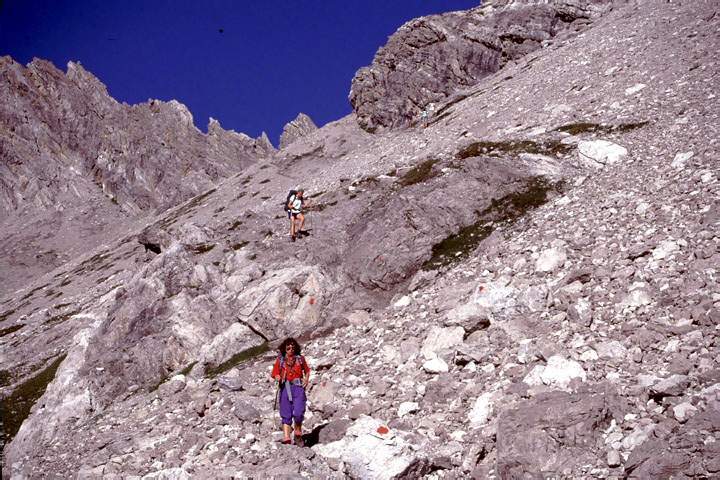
{"x":634,"y":89}
{"x":613,"y":458}
{"x":598,"y":153}
{"x":681,"y":159}
{"x":672,"y":386}
{"x":356,"y":411}
{"x":612,"y":349}
{"x":482,"y":410}
{"x":684,"y":411}
{"x":551,"y":259}
{"x":407,"y":407}
{"x":436,"y":365}
{"x":403,"y":302}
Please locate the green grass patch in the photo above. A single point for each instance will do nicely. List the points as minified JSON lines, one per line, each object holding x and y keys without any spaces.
{"x":516,"y":147}
{"x":419,"y":173}
{"x":239,"y":245}
{"x":237,"y":359}
{"x":9,"y":330}
{"x":587,"y":127}
{"x":57,"y":319}
{"x":202,"y":248}
{"x":501,"y":211}
{"x":186,"y":370}
{"x":6,"y":378}
{"x":16,"y":407}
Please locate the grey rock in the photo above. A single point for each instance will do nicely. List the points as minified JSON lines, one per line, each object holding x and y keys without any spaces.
{"x":246,"y":412}
{"x":433,"y":57}
{"x":527,"y":424}
{"x":448,"y":197}
{"x":333,"y":430}
{"x":675,"y":385}
{"x":358,"y":410}
{"x":298,"y":128}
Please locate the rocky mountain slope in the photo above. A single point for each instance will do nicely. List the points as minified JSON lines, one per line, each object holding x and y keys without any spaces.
{"x":522,"y":285}
{"x":77,"y":165}
{"x":432,"y":57}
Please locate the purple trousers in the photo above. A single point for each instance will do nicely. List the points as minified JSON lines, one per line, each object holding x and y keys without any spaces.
{"x":292,"y":409}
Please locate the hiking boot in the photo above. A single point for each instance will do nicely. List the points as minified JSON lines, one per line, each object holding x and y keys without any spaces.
{"x":286,"y":442}
{"x":299,"y":441}
{"x":292,"y":238}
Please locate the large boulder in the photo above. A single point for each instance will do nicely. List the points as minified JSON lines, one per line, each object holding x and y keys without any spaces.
{"x":371,"y":450}
{"x":599,"y":153}
{"x":554,"y":432}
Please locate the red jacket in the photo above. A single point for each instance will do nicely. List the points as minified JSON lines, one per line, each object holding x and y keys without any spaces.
{"x":293,"y":368}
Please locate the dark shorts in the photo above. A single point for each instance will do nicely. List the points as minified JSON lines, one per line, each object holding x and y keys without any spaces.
{"x":294,"y":215}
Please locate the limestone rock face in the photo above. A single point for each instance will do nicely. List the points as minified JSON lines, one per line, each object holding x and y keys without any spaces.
{"x":431,"y":58}
{"x":298,"y":128}
{"x":77,"y":164}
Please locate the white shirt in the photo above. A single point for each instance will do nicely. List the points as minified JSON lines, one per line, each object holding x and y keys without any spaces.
{"x":295,"y":205}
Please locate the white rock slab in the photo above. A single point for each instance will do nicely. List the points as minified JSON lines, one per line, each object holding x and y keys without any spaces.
{"x":681,"y":159}
{"x":436,"y":365}
{"x":441,"y":338}
{"x":551,"y":259}
{"x":558,"y":373}
{"x":407,"y":407}
{"x":370,"y":449}
{"x":482,"y":410}
{"x":598,"y":153}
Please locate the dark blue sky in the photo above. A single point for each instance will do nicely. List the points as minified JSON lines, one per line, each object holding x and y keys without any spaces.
{"x":271,"y":60}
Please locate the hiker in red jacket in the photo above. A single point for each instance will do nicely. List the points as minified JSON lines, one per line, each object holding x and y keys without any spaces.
{"x":293,"y":373}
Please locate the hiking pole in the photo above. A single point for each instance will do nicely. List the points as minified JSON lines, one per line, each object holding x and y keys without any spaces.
{"x":277,"y":394}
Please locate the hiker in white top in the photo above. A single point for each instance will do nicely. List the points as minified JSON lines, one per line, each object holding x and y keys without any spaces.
{"x":295,"y":212}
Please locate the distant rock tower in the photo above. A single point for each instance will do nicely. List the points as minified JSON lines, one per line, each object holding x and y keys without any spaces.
{"x":298,"y":128}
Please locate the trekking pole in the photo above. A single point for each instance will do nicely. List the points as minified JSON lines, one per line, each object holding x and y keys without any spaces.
{"x":277,"y":394}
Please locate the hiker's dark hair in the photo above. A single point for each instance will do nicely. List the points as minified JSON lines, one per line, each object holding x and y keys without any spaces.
{"x":286,"y":342}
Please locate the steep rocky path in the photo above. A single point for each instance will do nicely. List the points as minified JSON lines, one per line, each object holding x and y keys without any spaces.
{"x":579,"y":339}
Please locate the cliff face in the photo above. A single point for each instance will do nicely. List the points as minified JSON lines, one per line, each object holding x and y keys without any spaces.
{"x":432,"y":57}
{"x":58,"y":127}
{"x":524,"y":285}
{"x":74,"y":159}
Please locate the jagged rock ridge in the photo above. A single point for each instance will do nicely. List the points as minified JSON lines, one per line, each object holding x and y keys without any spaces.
{"x":300,"y":127}
{"x":75,"y":162}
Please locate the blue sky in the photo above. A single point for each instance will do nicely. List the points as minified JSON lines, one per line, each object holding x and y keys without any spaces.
{"x":251,"y":65}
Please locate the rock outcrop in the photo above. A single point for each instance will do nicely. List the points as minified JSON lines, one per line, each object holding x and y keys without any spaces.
{"x":298,"y":128}
{"x":431,"y":58}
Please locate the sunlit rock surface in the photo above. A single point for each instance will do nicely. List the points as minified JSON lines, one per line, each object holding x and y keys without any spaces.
{"x":475,"y":299}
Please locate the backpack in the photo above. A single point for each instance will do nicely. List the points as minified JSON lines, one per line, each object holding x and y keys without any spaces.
{"x":301,"y":359}
{"x":290,"y":195}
